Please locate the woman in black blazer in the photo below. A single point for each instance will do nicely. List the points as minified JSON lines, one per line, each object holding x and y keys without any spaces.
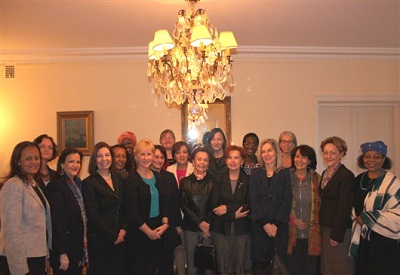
{"x":68,"y":216}
{"x":103,"y":197}
{"x":270,"y":203}
{"x":230,"y":204}
{"x":146,"y":212}
{"x":171,"y":195}
{"x":337,"y":188}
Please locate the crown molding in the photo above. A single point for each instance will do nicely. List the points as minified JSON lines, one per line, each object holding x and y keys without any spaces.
{"x":139,"y":54}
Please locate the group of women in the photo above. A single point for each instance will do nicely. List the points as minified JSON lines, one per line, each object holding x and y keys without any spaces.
{"x":144,"y":208}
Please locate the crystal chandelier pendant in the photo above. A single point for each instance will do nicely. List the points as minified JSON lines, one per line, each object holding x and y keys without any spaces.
{"x":194,"y":65}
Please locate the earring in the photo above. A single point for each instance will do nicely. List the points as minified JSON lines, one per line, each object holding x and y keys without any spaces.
{"x":62,"y":172}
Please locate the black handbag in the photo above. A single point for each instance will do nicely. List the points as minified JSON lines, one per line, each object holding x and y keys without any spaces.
{"x":205,"y":256}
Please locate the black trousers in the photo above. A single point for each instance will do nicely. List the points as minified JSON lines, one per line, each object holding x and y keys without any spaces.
{"x":300,"y":263}
{"x":378,"y":256}
{"x":36,"y":266}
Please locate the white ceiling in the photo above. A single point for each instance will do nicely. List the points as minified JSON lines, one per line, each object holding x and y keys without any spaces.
{"x":51,"y":24}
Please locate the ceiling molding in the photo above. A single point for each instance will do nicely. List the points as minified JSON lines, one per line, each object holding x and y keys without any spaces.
{"x":139,"y":54}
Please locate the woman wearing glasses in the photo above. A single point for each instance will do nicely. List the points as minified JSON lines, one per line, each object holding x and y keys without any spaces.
{"x":287,"y":141}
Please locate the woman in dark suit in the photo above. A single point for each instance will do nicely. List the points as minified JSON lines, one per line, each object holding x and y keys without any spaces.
{"x":146,"y":213}
{"x":230,"y":203}
{"x":68,"y":216}
{"x":170,"y":186}
{"x":270,"y":203}
{"x":103,"y":197}
{"x":337,"y":188}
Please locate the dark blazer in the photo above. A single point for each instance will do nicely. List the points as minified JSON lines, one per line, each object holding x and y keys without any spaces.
{"x":138,"y":201}
{"x":196,"y":201}
{"x":216,"y":167}
{"x":67,"y":221}
{"x":172,"y":198}
{"x":270,"y":203}
{"x":40,"y":181}
{"x":104,"y":206}
{"x":170,"y":186}
{"x":336,"y":202}
{"x":222,"y":195}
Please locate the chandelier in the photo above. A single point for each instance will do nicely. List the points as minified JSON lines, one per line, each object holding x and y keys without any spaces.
{"x":195,"y":66}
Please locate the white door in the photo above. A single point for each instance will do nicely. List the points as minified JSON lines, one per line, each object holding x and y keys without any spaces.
{"x":357,"y":123}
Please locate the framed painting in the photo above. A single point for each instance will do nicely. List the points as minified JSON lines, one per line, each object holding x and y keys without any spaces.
{"x":219,"y":116}
{"x":75,"y":129}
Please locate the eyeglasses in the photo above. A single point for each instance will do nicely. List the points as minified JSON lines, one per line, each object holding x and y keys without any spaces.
{"x":290,"y":142}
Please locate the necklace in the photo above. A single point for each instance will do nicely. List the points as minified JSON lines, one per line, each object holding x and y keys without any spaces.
{"x":106,"y":177}
{"x":370,"y":183}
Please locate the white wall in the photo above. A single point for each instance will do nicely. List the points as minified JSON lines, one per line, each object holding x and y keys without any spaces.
{"x":270,"y":96}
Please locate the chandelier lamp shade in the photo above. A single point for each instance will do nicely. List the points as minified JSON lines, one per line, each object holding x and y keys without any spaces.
{"x":194,"y":65}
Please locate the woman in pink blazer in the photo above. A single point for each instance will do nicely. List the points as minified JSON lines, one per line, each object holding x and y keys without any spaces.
{"x":182,"y":168}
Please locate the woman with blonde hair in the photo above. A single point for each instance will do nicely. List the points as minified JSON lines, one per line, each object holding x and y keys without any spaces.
{"x":146,"y":212}
{"x":270,"y":204}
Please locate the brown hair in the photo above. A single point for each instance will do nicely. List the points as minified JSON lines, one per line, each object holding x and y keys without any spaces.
{"x":231,"y":148}
{"x":337,"y":141}
{"x":92,"y":162}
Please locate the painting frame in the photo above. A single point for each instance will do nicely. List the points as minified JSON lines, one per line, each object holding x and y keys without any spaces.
{"x":75,"y":129}
{"x":220,"y":119}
